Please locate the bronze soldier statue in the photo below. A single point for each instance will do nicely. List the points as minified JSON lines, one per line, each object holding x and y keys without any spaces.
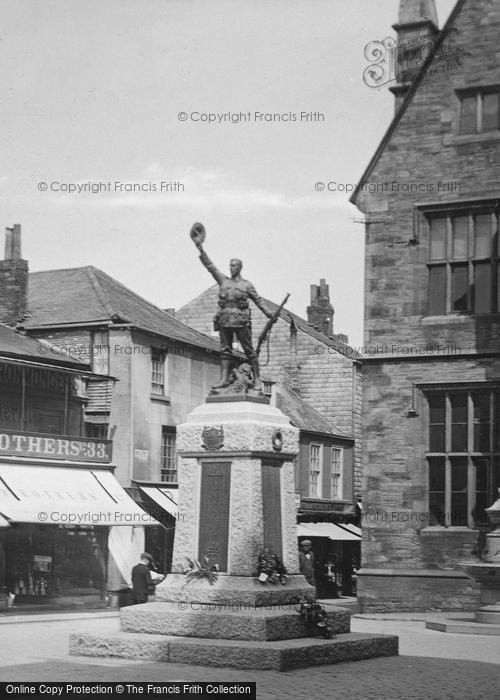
{"x":233,"y":316}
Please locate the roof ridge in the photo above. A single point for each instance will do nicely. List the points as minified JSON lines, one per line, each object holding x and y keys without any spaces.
{"x":60,"y":269}
{"x":409,"y":97}
{"x":94,"y":281}
{"x":313,"y":332}
{"x":150,"y":303}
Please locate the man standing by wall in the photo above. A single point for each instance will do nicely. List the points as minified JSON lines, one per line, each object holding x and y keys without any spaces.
{"x":142,"y":581}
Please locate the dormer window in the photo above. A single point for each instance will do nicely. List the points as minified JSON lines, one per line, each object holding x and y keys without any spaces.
{"x":479,"y":111}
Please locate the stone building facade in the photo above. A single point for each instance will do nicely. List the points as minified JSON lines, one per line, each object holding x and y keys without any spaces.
{"x":431,"y":384}
{"x":161,"y":370}
{"x":60,"y":505}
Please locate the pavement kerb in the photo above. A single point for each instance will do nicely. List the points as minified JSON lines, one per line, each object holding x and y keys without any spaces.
{"x":57,"y":617}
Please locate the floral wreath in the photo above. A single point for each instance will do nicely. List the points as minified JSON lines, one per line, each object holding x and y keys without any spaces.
{"x":271,"y":569}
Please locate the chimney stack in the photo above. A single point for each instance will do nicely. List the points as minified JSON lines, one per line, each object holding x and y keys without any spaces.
{"x":320,"y":312}
{"x":13,"y":279}
{"x":417,"y":29}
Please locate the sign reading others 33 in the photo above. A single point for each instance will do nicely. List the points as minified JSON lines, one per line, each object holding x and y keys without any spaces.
{"x":54,"y":447}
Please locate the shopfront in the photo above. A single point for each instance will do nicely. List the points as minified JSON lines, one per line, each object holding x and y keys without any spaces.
{"x":336,"y":550}
{"x":55,"y":544}
{"x":66,"y":525}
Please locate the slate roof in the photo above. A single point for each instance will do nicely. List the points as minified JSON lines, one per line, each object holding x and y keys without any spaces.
{"x":87,"y":295}
{"x":18,"y":346}
{"x":303,"y":415}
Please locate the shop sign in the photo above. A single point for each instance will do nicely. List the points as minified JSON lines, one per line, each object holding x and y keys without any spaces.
{"x":322,"y":505}
{"x":54,"y":447}
{"x":42,"y":563}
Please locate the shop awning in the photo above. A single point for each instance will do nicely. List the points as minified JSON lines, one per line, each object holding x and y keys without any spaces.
{"x":330,"y":530}
{"x":52,"y":495}
{"x":165,"y":498}
{"x":352,"y":528}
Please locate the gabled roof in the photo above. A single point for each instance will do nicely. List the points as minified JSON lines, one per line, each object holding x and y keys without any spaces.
{"x":88,"y":296}
{"x":15,"y":345}
{"x":409,"y":97}
{"x":303,"y":415}
{"x":302,"y":325}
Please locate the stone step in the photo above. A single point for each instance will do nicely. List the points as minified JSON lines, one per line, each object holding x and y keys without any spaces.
{"x":462,"y":627}
{"x":280,"y":655}
{"x":489,"y":614}
{"x":226,"y":621}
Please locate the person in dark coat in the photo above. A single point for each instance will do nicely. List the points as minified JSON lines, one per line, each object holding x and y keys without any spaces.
{"x":142,"y":581}
{"x":306,"y":562}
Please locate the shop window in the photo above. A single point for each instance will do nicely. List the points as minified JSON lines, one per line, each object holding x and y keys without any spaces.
{"x":50,"y":562}
{"x":464,"y":262}
{"x":479,"y":111}
{"x":315,"y":471}
{"x":336,"y":472}
{"x":157,"y":371}
{"x":168,"y":470}
{"x":463,"y":455}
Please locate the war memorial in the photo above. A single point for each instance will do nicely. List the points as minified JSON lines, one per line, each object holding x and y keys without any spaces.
{"x":235,"y":596}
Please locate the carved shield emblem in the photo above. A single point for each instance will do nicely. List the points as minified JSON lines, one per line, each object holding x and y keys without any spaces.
{"x":212,"y":438}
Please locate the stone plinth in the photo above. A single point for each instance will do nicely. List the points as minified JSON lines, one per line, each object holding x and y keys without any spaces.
{"x":219,"y":621}
{"x":250,"y":447}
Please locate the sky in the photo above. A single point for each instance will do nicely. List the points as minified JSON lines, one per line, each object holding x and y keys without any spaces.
{"x":124,"y":122}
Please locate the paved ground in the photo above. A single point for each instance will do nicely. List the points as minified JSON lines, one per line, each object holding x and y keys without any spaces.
{"x":35,"y":649}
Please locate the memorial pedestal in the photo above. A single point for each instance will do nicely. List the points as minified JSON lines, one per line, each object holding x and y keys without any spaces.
{"x":236,"y":497}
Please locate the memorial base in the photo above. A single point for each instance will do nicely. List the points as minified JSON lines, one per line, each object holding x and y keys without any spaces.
{"x":236,"y":499}
{"x":240,"y":639}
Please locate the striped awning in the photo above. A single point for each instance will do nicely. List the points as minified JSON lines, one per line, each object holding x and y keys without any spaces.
{"x":53,"y":495}
{"x":329,"y":530}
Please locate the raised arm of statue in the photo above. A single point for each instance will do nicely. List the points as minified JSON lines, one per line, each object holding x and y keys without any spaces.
{"x":198,"y":235}
{"x":214,"y":271}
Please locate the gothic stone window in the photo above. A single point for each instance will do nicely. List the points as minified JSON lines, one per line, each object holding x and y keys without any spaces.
{"x":464,"y":261}
{"x":315,"y":470}
{"x":479,"y":110}
{"x":168,"y":469}
{"x":463,"y":455}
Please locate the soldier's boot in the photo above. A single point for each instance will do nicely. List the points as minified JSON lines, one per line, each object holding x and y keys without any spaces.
{"x":257,"y":384}
{"x":224,"y":380}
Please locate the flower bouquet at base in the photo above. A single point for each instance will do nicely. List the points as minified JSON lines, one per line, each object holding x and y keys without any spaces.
{"x":197,"y":571}
{"x":271,"y":569}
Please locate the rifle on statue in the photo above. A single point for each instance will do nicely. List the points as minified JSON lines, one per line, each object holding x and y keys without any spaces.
{"x":270,"y":323}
